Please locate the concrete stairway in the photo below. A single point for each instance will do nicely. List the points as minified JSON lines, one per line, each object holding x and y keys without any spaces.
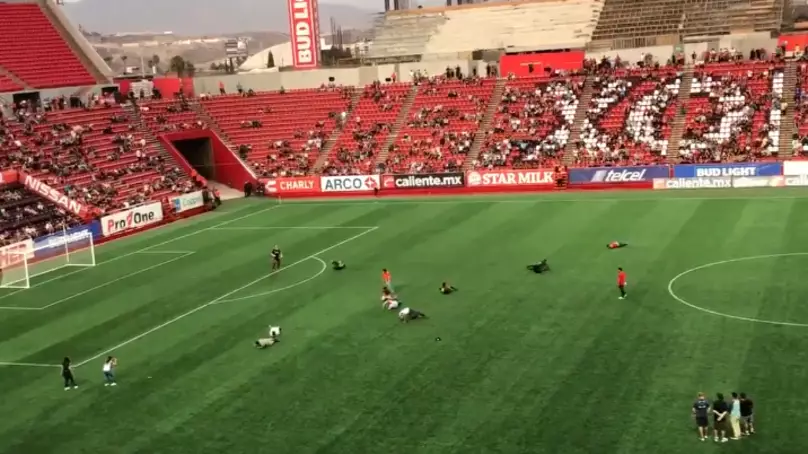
{"x":403,"y":114}
{"x":12,"y":76}
{"x":578,"y":121}
{"x":787,"y":126}
{"x":485,"y":124}
{"x":225,"y":191}
{"x":681,"y":113}
{"x":356,"y":96}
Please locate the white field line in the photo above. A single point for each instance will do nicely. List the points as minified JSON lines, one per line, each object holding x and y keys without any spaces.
{"x":223,"y":297}
{"x":526,"y":199}
{"x":142,"y":251}
{"x":105,"y":284}
{"x":276,"y":290}
{"x":13,"y":308}
{"x":305,"y":227}
{"x":5,"y":363}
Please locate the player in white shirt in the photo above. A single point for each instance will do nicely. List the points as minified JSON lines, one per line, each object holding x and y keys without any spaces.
{"x":407,"y":315}
{"x":109,"y":371}
{"x":274,"y":337}
{"x":389,"y":300}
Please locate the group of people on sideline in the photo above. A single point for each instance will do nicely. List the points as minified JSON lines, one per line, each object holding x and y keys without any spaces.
{"x":734,"y":417}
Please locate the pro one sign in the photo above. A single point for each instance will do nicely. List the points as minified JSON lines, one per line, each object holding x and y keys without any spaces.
{"x":304,"y":29}
{"x":131,"y":219}
{"x":349,"y":183}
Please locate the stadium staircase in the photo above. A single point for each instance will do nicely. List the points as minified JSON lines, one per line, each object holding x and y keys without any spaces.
{"x":203,"y":115}
{"x":403,"y":114}
{"x":73,"y":45}
{"x":485,"y":125}
{"x":9,"y":82}
{"x":578,"y":121}
{"x":787,"y":126}
{"x":679,"y":122}
{"x":356,"y":96}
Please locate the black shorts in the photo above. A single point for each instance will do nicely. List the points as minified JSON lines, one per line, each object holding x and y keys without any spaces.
{"x":702,"y":421}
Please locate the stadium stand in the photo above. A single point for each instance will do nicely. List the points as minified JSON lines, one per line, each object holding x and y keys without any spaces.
{"x":441,"y":127}
{"x":629,"y":117}
{"x":639,"y":23}
{"x":734,"y":111}
{"x":45,"y":61}
{"x":555,"y":24}
{"x":24,"y":215}
{"x":8,"y":84}
{"x":533,"y":122}
{"x":96,"y":155}
{"x":365,"y":132}
{"x":280,"y":133}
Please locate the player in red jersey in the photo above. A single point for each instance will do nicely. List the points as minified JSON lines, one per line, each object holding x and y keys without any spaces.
{"x":616,"y":245}
{"x":621,"y":283}
{"x":387,"y":279}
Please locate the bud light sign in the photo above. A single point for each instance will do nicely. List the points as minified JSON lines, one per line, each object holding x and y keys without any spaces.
{"x":611,"y":175}
{"x":728,"y":170}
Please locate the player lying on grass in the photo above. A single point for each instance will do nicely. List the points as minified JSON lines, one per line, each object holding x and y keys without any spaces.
{"x":541,"y":267}
{"x":447,"y":289}
{"x":337,"y":265}
{"x":274,"y":337}
{"x":389,"y":300}
{"x":616,"y":245}
{"x":407,"y":315}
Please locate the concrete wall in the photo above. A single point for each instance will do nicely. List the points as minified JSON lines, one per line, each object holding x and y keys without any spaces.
{"x":294,"y":80}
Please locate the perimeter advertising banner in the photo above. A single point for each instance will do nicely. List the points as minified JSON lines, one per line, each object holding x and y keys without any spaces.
{"x":54,"y":244}
{"x":424,"y":181}
{"x":349,"y":183}
{"x":187,"y":202}
{"x":692,"y":183}
{"x":743,"y":169}
{"x":600,"y":175}
{"x":796,"y":181}
{"x":132,"y":219}
{"x":510,"y":177}
{"x":298,"y":185}
{"x":795,"y":168}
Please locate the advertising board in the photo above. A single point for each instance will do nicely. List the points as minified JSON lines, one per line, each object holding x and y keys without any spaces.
{"x":187,"y":202}
{"x":40,"y":187}
{"x":297,"y":185}
{"x":758,"y":182}
{"x":133,"y":218}
{"x":795,"y":168}
{"x":423,"y":181}
{"x":510,"y":177}
{"x":599,"y":175}
{"x":49,"y":245}
{"x":744,"y":169}
{"x":693,"y":183}
{"x":349,"y":183}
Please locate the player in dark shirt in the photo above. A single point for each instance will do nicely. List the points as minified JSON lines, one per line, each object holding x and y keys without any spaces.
{"x":541,"y":267}
{"x":747,"y":418}
{"x":447,"y":289}
{"x":720,"y":418}
{"x":616,"y":245}
{"x":67,"y":374}
{"x":700,"y":410}
{"x":337,"y":265}
{"x":277,"y":255}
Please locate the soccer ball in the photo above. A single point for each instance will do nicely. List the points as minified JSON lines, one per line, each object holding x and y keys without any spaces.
{"x":275,"y":331}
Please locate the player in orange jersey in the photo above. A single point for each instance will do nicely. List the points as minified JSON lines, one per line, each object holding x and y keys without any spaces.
{"x":616,"y":245}
{"x":621,"y":283}
{"x":387,"y":279}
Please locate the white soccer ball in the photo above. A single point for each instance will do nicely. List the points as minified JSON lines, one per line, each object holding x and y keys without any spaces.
{"x":275,"y":331}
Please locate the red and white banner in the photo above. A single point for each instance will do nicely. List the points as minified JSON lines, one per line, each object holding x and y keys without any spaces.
{"x":510,"y":177}
{"x":297,"y":185}
{"x":133,"y":218}
{"x":15,"y":253}
{"x":40,"y":187}
{"x":304,"y":29}
{"x":349,"y":183}
{"x":8,"y":176}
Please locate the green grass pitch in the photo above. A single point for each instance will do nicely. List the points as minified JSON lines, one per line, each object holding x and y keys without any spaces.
{"x":526,"y":363}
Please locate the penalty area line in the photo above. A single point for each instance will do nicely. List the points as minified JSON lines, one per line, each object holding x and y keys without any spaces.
{"x":304,"y":227}
{"x":9,"y":364}
{"x":223,"y":297}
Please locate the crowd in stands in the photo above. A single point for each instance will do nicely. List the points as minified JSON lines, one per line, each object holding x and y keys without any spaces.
{"x":24,"y":215}
{"x":735,"y":110}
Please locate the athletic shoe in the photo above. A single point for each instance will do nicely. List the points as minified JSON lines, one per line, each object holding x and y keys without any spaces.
{"x":67,"y":388}
{"x":75,"y":386}
{"x":106,"y":384}
{"x":113,"y":384}
{"x":724,"y":440}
